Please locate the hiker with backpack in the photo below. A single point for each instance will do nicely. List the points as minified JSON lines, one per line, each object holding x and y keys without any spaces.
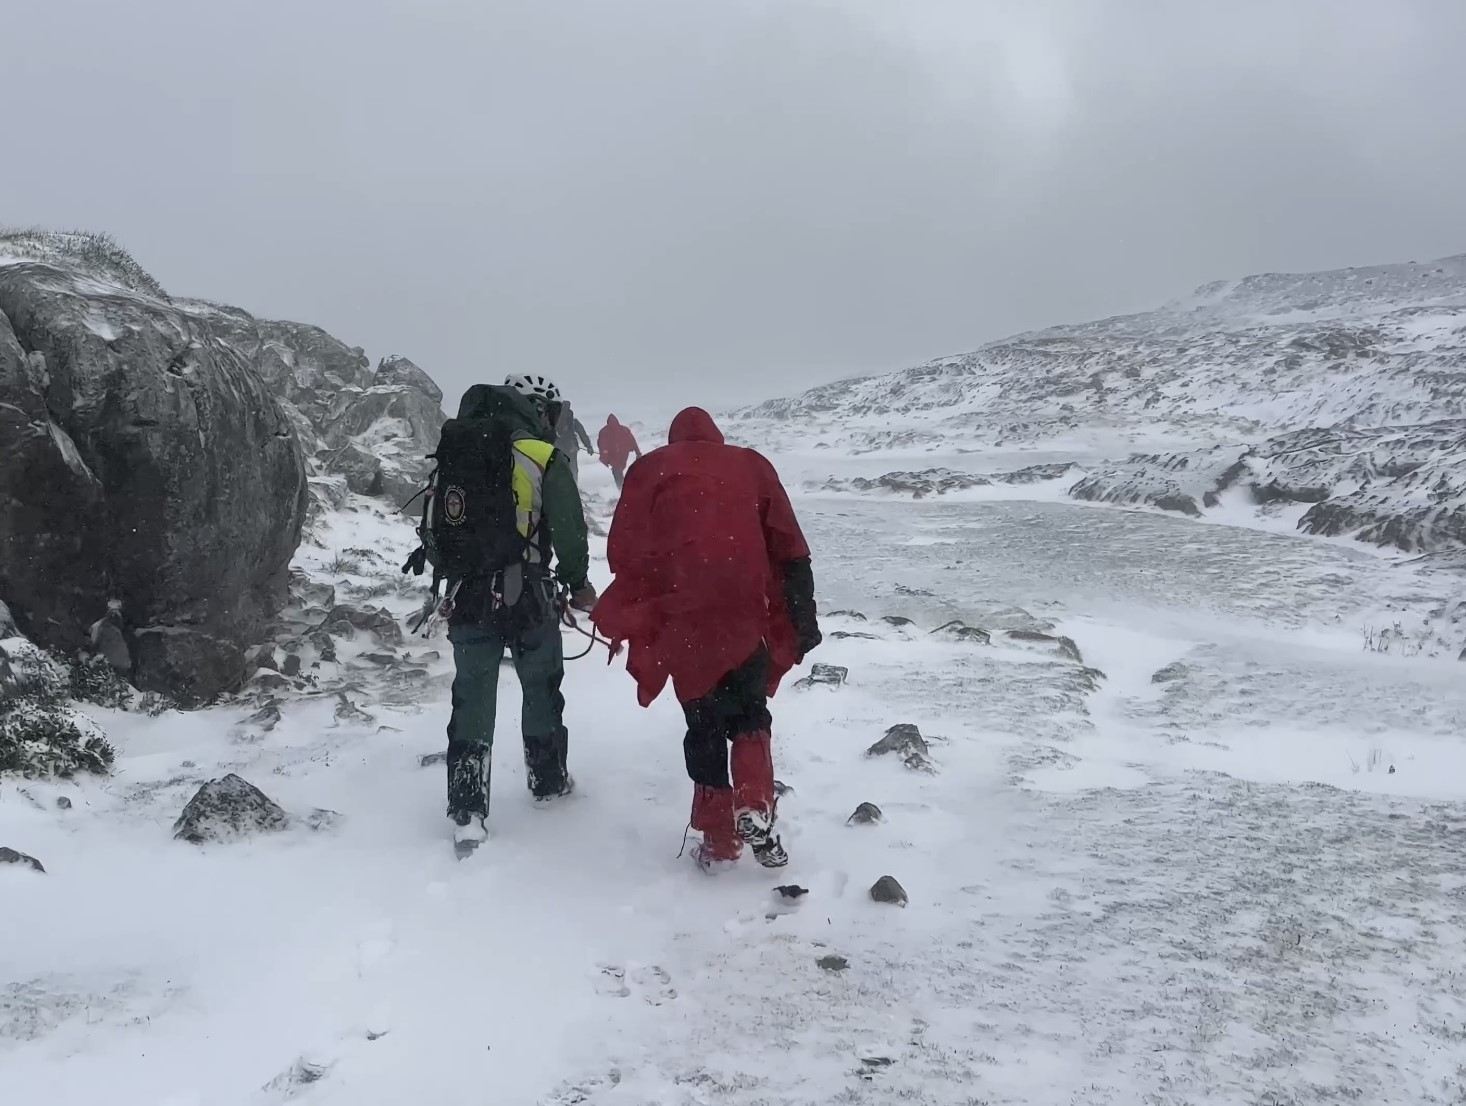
{"x":713,"y":590}
{"x":566,"y":432}
{"x":501,"y":505}
{"x":616,"y":443}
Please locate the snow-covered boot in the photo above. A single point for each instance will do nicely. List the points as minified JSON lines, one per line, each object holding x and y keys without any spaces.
{"x":542,"y":801}
{"x":469,"y":832}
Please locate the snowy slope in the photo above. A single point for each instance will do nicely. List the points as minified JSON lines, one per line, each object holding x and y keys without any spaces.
{"x":1215,"y":857}
{"x":1369,"y":347}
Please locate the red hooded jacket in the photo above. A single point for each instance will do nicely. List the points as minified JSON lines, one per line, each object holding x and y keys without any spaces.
{"x":616,"y":443}
{"x":697,"y":547}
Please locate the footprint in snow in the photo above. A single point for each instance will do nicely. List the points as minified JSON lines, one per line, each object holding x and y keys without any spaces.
{"x":649,"y":982}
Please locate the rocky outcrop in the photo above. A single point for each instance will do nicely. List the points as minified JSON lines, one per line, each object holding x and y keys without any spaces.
{"x":153,"y":466}
{"x":942,"y":481}
{"x":161,"y":456}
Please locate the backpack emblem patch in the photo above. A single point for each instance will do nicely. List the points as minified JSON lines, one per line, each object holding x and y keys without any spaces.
{"x":454,"y":506}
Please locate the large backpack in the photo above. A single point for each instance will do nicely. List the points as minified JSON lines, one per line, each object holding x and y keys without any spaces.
{"x":469,"y":526}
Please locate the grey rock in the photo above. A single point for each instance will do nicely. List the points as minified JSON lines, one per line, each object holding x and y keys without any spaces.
{"x":399,"y":372}
{"x":63,"y":803}
{"x":833,"y":963}
{"x":824,"y":675}
{"x":269,"y":681}
{"x":844,"y":635}
{"x":306,"y":591}
{"x":132,"y":419}
{"x":905,"y":741}
{"x":888,"y":889}
{"x":264,"y":657}
{"x":958,"y":630}
{"x":866,"y":814}
{"x":12,"y":856}
{"x":427,"y":760}
{"x":228,"y":809}
{"x":383,"y":660}
{"x":266,"y":718}
{"x":109,"y":643}
{"x":1057,"y":643}
{"x":8,"y":627}
{"x":781,"y":789}
{"x":1176,"y":670}
{"x":291,"y":667}
{"x":856,"y":615}
{"x":791,"y":892}
{"x":349,"y":712}
{"x":897,"y":620}
{"x":378,"y":621}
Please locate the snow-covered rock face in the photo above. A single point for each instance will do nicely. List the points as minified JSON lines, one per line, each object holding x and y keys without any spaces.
{"x":165,"y":452}
{"x":1367,"y":347}
{"x":149,"y":462}
{"x":1342,"y":391}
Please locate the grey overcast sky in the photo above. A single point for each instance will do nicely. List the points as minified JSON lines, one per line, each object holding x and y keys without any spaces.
{"x":667,"y":201}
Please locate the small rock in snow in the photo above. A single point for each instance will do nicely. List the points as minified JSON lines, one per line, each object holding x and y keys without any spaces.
{"x":1060,"y":644}
{"x":833,"y":963}
{"x":790,"y":892}
{"x":427,"y":760}
{"x":64,"y":803}
{"x":227,"y":809}
{"x":14,"y":856}
{"x":827,"y":675}
{"x":887,"y":889}
{"x":347,"y":711}
{"x":266,"y":718}
{"x":960,"y":631}
{"x":866,"y":814}
{"x":905,"y":741}
{"x":781,"y":789}
{"x":291,"y":667}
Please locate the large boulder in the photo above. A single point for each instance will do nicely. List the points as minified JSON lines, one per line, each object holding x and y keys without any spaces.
{"x":151,"y":465}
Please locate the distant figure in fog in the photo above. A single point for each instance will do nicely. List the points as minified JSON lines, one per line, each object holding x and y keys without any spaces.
{"x":616,"y":445}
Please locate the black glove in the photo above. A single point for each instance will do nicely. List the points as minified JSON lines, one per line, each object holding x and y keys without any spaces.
{"x":799,"y":598}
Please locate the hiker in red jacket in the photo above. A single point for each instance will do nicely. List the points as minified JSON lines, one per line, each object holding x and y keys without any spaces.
{"x":713,"y":591}
{"x":616,"y":444}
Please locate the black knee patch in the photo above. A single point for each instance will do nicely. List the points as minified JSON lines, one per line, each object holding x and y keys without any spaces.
{"x":706,"y":753}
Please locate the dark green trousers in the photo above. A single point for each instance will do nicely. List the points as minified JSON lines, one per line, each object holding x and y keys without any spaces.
{"x":539,"y":660}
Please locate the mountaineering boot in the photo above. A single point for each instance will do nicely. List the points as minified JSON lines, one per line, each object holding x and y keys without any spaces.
{"x":546,"y":799}
{"x":469,"y":832}
{"x":712,"y":816}
{"x":757,"y":829}
{"x":753,"y":791}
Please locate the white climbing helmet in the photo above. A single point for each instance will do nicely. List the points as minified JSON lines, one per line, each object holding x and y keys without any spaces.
{"x":536,"y":387}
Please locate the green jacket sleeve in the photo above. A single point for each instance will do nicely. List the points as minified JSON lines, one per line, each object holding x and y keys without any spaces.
{"x":566,"y":516}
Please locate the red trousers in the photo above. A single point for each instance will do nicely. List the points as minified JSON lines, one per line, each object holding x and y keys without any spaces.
{"x":730,"y":725}
{"x":714,"y":809}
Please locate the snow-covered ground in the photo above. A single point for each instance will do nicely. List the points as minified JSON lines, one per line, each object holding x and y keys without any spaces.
{"x":1219,"y":859}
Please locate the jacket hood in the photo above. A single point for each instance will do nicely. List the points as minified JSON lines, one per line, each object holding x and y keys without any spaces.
{"x":483,"y":401}
{"x":612,"y":421}
{"x":694,"y":425}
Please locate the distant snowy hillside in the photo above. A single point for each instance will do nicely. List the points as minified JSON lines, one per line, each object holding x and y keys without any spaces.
{"x":1237,"y":359}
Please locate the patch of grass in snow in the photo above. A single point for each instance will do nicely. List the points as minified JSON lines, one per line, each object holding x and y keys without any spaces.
{"x":97,"y":252}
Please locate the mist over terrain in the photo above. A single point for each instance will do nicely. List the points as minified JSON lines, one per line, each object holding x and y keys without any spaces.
{"x":658,"y":203}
